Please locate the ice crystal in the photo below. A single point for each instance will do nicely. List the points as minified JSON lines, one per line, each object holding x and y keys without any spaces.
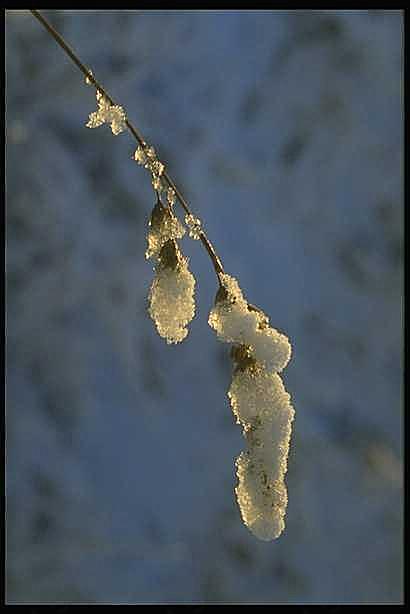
{"x":171,"y":296}
{"x":140,"y":156}
{"x":157,"y":168}
{"x":194,"y":226}
{"x":87,"y":78}
{"x":150,"y":153}
{"x":107,"y":114}
{"x":156,"y":183}
{"x":171,"y":196}
{"x":235,"y":321}
{"x":163,"y":226}
{"x":146,"y":156}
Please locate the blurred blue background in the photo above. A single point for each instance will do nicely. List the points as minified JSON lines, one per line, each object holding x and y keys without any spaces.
{"x":284,"y":132}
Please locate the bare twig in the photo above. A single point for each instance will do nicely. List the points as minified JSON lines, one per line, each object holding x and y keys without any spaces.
{"x":217,"y":264}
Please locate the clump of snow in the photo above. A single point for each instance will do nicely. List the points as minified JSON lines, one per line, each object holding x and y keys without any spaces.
{"x":235,"y":321}
{"x":262,"y":405}
{"x":262,"y":501}
{"x":255,"y":393}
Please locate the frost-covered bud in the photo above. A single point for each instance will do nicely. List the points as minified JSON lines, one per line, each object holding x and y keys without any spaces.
{"x":171,"y":296}
{"x":235,"y":321}
{"x":243,"y":359}
{"x":262,"y":501}
{"x":163,"y":226}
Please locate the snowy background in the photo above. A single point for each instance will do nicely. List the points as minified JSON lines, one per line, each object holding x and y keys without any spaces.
{"x":284,"y":132}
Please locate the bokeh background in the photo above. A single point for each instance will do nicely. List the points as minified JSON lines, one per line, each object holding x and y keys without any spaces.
{"x":284,"y":132}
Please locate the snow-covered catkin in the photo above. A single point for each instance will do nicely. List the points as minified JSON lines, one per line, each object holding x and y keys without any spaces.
{"x":171,"y":296}
{"x":261,"y":405}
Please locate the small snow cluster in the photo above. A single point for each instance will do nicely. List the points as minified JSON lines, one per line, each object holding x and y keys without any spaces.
{"x":171,"y":296}
{"x":146,"y":156}
{"x":107,"y":114}
{"x":194,"y":226}
{"x":261,"y":405}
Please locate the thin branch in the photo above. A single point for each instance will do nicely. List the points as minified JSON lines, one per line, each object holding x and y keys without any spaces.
{"x":217,"y":264}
